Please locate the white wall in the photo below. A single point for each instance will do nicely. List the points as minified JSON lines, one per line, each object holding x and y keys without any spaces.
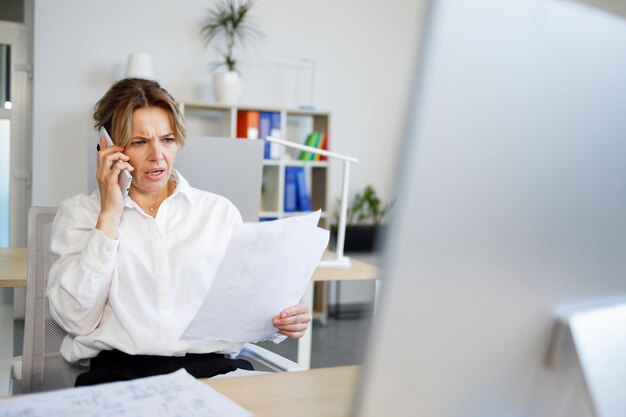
{"x":365,"y":49}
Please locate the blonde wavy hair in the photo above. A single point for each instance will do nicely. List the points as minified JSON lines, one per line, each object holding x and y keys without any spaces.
{"x":115,"y":109}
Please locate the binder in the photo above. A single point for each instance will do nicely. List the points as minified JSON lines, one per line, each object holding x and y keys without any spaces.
{"x":316,"y":142}
{"x":248,"y":124}
{"x":321,"y":145}
{"x":324,"y":146}
{"x":290,"y":190}
{"x":265,"y":126}
{"x":274,"y":149}
{"x":302,"y":191}
{"x":310,"y":141}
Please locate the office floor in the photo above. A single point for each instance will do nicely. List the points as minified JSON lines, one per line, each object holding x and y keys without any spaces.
{"x":338,"y":342}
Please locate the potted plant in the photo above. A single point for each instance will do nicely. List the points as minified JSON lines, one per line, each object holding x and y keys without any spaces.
{"x":229,"y":20}
{"x":364,"y":220}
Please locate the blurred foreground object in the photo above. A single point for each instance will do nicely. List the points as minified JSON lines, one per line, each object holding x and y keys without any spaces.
{"x":510,"y":204}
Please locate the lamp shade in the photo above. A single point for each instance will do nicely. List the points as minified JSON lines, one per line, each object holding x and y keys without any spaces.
{"x":139,"y":65}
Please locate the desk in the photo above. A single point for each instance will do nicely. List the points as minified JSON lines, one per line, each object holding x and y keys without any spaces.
{"x":358,"y":271}
{"x":324,"y":392}
{"x":13,"y":275}
{"x":13,"y":270}
{"x":12,"y":267}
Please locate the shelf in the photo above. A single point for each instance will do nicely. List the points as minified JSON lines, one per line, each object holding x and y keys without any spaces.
{"x":295,"y":163}
{"x":298,"y":213}
{"x":226,"y":107}
{"x":283,"y":214}
{"x":209,"y":106}
{"x":305,"y":112}
{"x":220,"y":120}
{"x":270,"y":214}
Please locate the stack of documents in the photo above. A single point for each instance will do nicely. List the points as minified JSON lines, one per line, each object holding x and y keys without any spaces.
{"x":175,"y":394}
{"x":266,"y":268}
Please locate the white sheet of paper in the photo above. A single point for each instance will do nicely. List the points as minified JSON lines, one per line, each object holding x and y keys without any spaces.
{"x":175,"y":394}
{"x":265,"y":269}
{"x":599,"y":335}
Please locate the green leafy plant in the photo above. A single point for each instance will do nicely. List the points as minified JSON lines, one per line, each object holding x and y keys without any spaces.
{"x":366,"y":208}
{"x":230,"y":20}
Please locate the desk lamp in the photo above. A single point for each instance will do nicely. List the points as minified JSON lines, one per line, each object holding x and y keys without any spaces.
{"x":338,"y":260}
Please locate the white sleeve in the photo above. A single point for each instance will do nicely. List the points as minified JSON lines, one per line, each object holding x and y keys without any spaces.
{"x":84,"y":260}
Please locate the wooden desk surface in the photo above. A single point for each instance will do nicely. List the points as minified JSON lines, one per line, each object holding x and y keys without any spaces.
{"x":13,"y":270}
{"x":324,"y":392}
{"x":358,"y":270}
{"x":12,"y":267}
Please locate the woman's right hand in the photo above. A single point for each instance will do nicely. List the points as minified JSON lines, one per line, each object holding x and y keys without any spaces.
{"x":111,"y":161}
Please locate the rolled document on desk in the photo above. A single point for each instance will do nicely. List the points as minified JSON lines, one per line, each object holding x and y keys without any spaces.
{"x":266,"y":268}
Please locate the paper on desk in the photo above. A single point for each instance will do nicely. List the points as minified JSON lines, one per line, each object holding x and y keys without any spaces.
{"x":175,"y":394}
{"x":265,"y":269}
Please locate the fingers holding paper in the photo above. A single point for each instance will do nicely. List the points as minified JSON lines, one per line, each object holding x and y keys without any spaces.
{"x":293,"y":321}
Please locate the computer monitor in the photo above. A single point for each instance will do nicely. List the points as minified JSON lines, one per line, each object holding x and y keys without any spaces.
{"x":510,"y":204}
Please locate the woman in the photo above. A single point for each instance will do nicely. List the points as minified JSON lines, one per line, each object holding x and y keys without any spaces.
{"x":131,"y":272}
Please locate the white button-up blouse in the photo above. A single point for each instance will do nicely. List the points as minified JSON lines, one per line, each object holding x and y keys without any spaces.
{"x":138,"y":293}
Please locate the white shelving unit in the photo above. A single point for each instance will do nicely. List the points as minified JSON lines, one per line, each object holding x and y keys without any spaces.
{"x":218,"y":120}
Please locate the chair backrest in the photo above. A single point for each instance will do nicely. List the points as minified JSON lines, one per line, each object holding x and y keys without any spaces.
{"x":228,"y":167}
{"x":224,"y":166}
{"x":43,"y":367}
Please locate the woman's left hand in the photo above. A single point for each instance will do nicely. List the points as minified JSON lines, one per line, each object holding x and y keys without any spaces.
{"x":293,"y":321}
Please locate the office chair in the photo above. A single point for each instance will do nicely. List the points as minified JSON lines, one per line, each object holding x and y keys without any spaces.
{"x":42,"y":368}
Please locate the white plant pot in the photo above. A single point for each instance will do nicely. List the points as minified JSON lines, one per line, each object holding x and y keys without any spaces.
{"x":227,"y":86}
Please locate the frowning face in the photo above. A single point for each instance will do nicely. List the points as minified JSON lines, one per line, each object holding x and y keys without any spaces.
{"x":152,"y":150}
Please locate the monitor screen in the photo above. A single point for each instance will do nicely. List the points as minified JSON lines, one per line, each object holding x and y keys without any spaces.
{"x":510,"y":204}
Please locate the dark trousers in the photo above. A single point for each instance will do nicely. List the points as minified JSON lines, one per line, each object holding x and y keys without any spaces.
{"x":113,"y":365}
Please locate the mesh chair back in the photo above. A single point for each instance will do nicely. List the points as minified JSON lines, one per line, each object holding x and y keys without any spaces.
{"x":43,"y":367}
